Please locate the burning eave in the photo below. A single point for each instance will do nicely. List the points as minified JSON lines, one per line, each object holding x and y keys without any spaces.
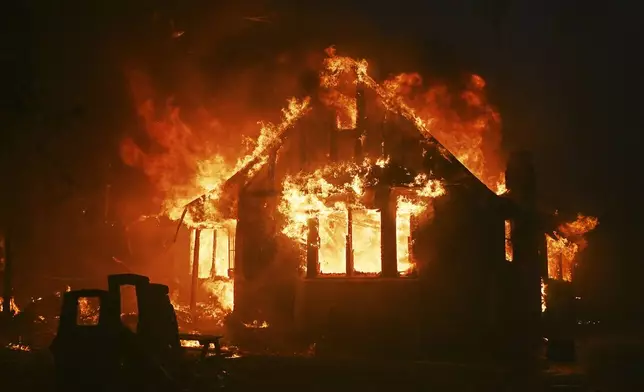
{"x":224,"y":200}
{"x":442,"y":163}
{"x":438,"y":160}
{"x":551,"y":223}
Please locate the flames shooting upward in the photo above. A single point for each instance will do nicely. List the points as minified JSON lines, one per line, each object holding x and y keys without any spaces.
{"x":12,"y":306}
{"x":185,"y":167}
{"x":564,"y":244}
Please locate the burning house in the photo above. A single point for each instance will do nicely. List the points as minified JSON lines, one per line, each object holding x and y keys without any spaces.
{"x":349,"y":223}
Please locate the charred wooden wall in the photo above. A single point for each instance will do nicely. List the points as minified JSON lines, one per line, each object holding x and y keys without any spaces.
{"x":455,"y":302}
{"x":256,"y":248}
{"x":360,"y":315}
{"x":460,"y":255}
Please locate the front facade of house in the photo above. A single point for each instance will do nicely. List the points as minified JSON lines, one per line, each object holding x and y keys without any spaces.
{"x":454,"y":298}
{"x":439,"y":283}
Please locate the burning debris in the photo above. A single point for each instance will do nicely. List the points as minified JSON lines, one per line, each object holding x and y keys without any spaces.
{"x":256,"y":324}
{"x":18,"y":347}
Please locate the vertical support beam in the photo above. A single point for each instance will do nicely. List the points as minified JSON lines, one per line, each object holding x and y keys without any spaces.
{"x":272,"y":161}
{"x":238,"y":246}
{"x":195,"y":274}
{"x":383,"y":133}
{"x":7,"y":294}
{"x":361,"y":126}
{"x":303,"y":149}
{"x":357,"y":148}
{"x":388,"y":233}
{"x":560,"y":266}
{"x":240,"y":231}
{"x":361,"y":105}
{"x":349,"y":243}
{"x":231,"y":252}
{"x":312,"y":248}
{"x":333,"y":145}
{"x":213,"y":268}
{"x":410,"y":240}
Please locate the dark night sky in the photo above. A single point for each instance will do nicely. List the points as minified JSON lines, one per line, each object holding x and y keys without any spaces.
{"x":565,"y":78}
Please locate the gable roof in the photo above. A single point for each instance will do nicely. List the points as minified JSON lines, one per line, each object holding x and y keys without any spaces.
{"x":451,"y":169}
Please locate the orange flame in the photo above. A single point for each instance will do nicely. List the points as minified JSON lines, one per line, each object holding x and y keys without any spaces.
{"x":12,"y":306}
{"x":187,"y":169}
{"x":564,"y":245}
{"x":328,"y":193}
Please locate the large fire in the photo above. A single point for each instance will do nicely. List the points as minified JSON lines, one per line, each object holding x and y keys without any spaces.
{"x":564,"y":244}
{"x":334,"y":193}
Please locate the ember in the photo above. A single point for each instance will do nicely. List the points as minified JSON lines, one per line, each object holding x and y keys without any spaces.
{"x":256,"y":324}
{"x":18,"y":347}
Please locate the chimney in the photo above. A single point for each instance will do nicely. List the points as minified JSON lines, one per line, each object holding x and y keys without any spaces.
{"x":528,"y":241}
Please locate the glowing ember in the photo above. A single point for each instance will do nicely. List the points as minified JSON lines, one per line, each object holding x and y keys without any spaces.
{"x":256,"y":324}
{"x":18,"y":347}
{"x":190,"y":343}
